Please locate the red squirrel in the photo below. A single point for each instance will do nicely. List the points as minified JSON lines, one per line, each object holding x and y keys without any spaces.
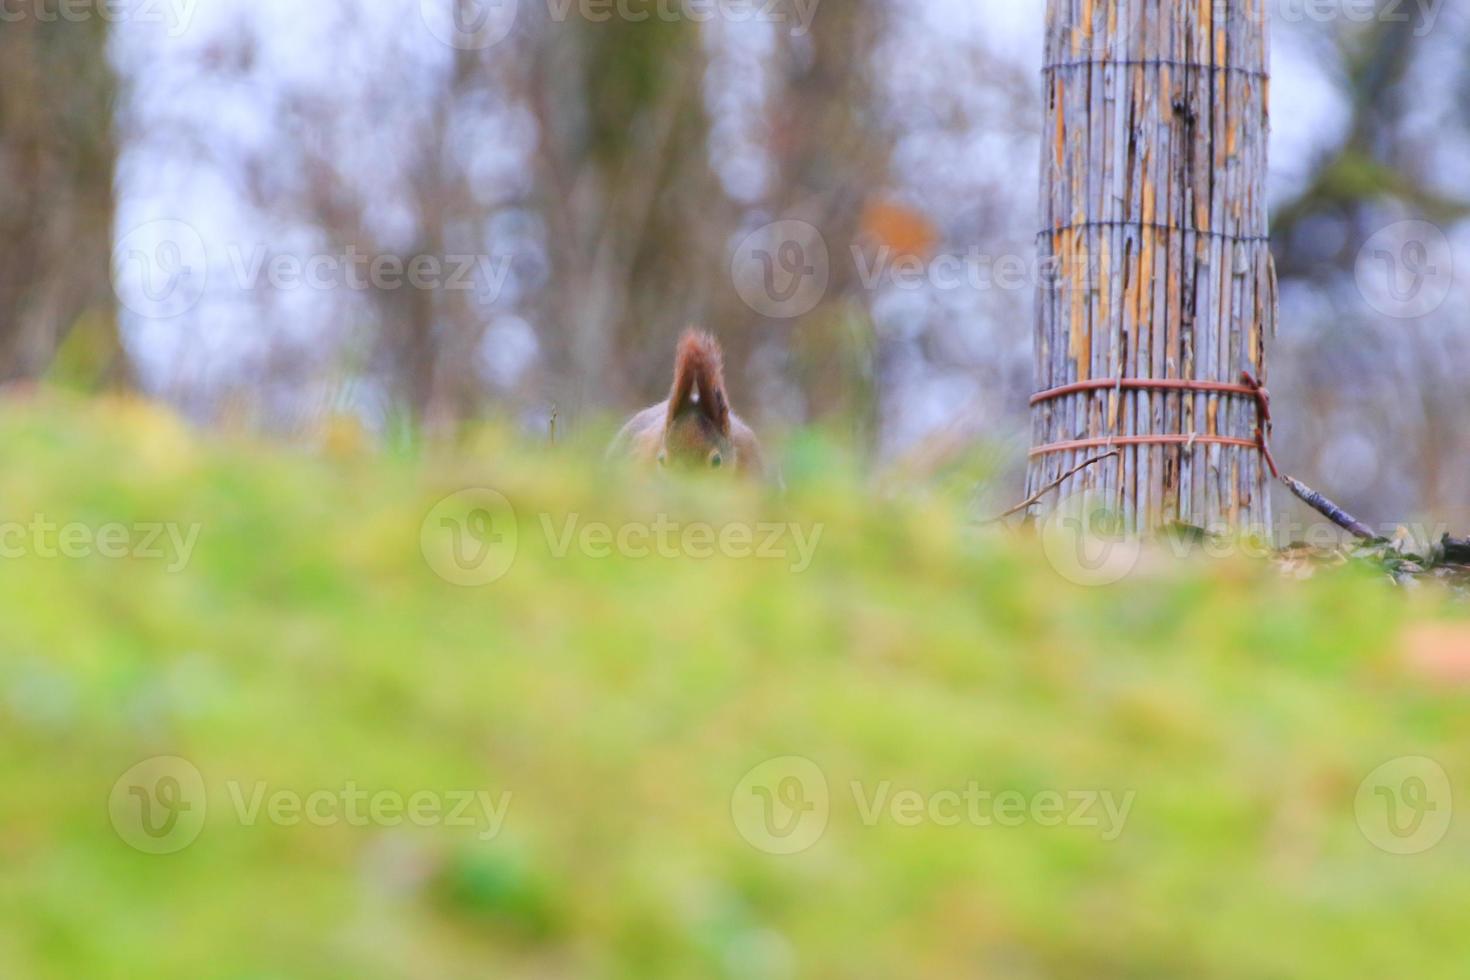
{"x":695,"y":428}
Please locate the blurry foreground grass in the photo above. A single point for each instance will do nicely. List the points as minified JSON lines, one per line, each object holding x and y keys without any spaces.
{"x":595,"y":719}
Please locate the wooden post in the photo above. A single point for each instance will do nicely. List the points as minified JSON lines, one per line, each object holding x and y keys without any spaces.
{"x":1155,"y":239}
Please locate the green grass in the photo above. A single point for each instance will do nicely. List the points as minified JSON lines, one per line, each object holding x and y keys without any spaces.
{"x":308,"y":645}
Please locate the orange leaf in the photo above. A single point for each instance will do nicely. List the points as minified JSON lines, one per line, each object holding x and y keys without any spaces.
{"x":900,"y":228}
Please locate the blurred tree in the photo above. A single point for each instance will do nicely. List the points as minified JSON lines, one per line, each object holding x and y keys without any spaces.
{"x":641,"y":230}
{"x":380,"y":165}
{"x":1375,"y":160}
{"x":637,"y":223}
{"x":831,"y":154}
{"x":57,"y":155}
{"x":1374,"y":399}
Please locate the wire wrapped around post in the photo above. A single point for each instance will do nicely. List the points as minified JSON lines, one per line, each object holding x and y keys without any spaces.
{"x":1160,"y":296}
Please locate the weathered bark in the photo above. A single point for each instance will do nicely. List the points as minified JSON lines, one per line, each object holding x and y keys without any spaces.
{"x":1154,"y":209}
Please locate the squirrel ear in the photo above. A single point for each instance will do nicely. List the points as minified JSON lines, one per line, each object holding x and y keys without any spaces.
{"x":715,"y":405}
{"x":685,"y":382}
{"x":682,"y":396}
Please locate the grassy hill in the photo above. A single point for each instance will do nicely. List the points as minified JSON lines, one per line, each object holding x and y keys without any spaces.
{"x":572,"y":728}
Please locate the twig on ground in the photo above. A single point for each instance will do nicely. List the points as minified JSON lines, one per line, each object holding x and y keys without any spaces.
{"x":1330,"y":510}
{"x":1036,"y":497}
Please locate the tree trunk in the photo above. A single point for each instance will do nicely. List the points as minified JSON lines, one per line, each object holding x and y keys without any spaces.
{"x":1157,"y":263}
{"x":58,"y":315}
{"x":638,"y":223}
{"x":831,"y":158}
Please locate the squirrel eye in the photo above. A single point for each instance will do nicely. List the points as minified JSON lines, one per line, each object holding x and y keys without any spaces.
{"x":716,"y":460}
